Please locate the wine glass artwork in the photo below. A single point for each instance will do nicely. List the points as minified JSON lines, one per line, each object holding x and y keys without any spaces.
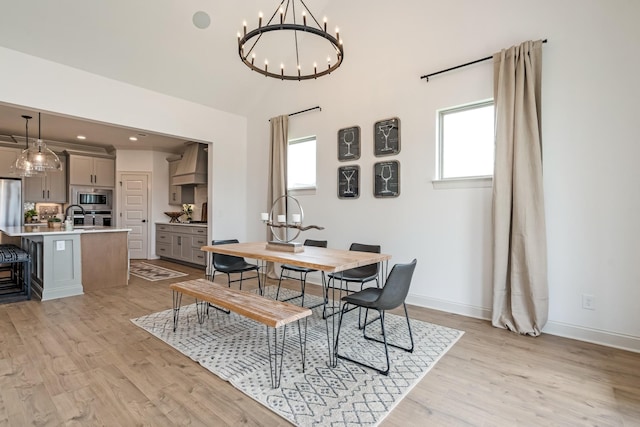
{"x":387,"y":137}
{"x":386,"y":176}
{"x":349,"y":143}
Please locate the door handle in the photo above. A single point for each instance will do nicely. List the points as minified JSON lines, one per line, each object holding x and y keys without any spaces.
{"x":144,"y":220}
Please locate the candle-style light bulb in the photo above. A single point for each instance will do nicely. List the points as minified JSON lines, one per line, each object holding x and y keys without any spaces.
{"x":281,"y":15}
{"x":282,"y":70}
{"x":244,"y":25}
{"x":337,"y":33}
{"x":266,"y":65}
{"x":315,"y":69}
{"x":238,"y":36}
{"x":304,"y":18}
{"x":298,"y":71}
{"x":253,"y":57}
{"x":325,"y":24}
{"x":259,"y":19}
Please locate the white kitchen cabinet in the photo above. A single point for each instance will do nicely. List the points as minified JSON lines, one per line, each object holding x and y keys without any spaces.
{"x":181,"y":243}
{"x":92,"y":171}
{"x":50,"y":188}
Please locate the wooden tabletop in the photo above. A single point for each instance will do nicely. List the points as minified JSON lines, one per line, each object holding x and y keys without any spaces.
{"x":324,"y":259}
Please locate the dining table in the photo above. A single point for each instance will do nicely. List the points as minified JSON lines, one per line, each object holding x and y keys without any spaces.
{"x":325,"y":260}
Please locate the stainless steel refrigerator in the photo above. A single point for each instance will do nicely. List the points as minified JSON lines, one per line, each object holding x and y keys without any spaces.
{"x":11,"y":209}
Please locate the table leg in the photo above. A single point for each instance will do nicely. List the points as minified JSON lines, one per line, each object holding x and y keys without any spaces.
{"x":177,"y":300}
{"x":303,"y":342}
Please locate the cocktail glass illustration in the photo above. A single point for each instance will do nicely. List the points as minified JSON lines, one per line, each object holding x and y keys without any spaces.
{"x":386,"y":131}
{"x":348,"y":174}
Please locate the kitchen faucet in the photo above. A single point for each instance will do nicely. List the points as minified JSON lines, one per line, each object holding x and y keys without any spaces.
{"x":66,"y":212}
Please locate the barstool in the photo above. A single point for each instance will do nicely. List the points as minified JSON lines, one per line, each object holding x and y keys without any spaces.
{"x":17,"y":261}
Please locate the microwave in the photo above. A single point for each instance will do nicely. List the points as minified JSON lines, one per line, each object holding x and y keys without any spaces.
{"x":92,"y":198}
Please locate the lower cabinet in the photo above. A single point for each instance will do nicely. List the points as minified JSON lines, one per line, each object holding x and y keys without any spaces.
{"x":181,"y":243}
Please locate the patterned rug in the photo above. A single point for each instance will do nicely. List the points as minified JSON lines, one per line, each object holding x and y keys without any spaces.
{"x":234,"y":348}
{"x":153,"y":273}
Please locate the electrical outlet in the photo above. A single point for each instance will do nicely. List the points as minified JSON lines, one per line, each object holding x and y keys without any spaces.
{"x":587,"y":302}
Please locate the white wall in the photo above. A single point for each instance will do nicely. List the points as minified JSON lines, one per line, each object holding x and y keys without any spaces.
{"x":590,"y":93}
{"x":33,"y":82}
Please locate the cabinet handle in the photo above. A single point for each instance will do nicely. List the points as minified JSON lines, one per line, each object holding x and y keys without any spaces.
{"x":48,"y":196}
{"x":43,"y":194}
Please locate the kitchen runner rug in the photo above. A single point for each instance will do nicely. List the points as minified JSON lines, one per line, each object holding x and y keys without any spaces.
{"x":153,"y":273}
{"x":234,"y":348}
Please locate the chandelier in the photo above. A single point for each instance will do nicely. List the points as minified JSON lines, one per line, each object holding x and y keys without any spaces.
{"x":36,"y":159}
{"x":285,"y":29}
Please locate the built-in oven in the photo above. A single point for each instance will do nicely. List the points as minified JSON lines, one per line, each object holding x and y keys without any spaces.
{"x":92,"y":198}
{"x":100,"y":218}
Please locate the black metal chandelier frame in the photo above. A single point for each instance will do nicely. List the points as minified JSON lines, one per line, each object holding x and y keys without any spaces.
{"x":320,"y":31}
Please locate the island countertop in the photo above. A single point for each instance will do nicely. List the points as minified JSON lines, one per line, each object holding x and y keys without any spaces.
{"x":41,"y":230}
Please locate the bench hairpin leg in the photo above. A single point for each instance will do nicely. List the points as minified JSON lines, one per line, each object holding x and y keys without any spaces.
{"x":276,"y":354}
{"x":303,"y":342}
{"x":177,"y":300}
{"x":202,"y":308}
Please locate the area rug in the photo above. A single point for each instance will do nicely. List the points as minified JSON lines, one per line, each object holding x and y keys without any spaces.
{"x":234,"y":348}
{"x":153,"y":273}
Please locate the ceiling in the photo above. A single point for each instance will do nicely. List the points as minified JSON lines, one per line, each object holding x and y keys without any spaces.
{"x":153,"y":44}
{"x":66,"y":129}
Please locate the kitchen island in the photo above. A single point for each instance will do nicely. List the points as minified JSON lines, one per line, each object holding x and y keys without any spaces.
{"x":68,"y":262}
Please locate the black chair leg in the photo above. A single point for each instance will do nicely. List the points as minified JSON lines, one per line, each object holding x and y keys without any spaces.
{"x":406,"y":313}
{"x":357,"y":362}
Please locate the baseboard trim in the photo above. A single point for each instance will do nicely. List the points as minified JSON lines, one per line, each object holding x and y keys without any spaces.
{"x":565,"y":330}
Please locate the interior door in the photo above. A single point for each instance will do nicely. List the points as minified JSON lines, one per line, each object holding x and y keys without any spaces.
{"x":134,"y":208}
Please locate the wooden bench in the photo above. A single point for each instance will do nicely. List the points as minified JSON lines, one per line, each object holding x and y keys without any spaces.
{"x":274,"y":314}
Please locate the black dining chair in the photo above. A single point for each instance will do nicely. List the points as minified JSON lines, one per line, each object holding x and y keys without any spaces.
{"x":361,"y":275}
{"x":229,"y":264}
{"x":286,"y":269}
{"x":392,"y":295}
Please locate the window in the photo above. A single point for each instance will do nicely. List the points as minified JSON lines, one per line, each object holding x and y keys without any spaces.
{"x":466,"y":142}
{"x":301,"y":164}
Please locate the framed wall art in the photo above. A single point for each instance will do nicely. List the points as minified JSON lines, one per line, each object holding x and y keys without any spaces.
{"x":349,"y":182}
{"x":386,"y":179}
{"x":349,"y":144}
{"x":386,"y":137}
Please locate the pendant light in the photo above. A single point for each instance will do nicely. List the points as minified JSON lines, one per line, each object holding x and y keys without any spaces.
{"x":36,"y":159}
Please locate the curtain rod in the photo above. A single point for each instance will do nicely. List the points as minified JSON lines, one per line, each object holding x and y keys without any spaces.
{"x":304,"y":111}
{"x":426,"y":76}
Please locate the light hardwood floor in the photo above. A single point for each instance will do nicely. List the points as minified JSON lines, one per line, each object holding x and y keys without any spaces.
{"x":80,"y":361}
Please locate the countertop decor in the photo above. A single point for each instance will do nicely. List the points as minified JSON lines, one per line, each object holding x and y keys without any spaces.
{"x":174,"y":215}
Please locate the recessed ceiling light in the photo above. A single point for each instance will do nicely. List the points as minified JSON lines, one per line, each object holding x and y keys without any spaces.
{"x":133,"y":138}
{"x":81,"y":137}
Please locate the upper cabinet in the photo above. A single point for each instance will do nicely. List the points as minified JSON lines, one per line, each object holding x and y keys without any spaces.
{"x":8,"y":157}
{"x":92,"y":171}
{"x":51,"y":188}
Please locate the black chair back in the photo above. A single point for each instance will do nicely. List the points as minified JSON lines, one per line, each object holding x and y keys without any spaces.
{"x":396,"y":288}
{"x":224,"y":262}
{"x":365,"y":270}
{"x":316,"y":243}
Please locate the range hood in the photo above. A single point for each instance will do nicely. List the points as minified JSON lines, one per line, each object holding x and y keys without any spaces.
{"x":192,"y":168}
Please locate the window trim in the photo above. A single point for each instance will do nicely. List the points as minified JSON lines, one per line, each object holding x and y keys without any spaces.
{"x":457,"y":182}
{"x":300,"y":191}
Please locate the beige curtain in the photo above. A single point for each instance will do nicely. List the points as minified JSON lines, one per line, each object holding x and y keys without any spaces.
{"x":520,"y":289}
{"x":277,"y":169}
